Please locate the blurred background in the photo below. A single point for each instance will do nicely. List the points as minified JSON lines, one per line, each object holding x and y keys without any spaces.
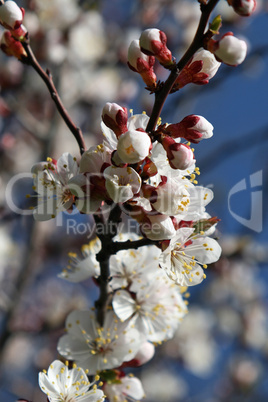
{"x":220,"y":352}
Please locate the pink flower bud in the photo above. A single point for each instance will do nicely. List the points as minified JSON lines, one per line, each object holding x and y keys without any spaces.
{"x":145,"y":353}
{"x":12,"y":47}
{"x":153,"y":42}
{"x":200,"y":69}
{"x":11,"y":15}
{"x":180,"y":156}
{"x":141,"y":63}
{"x":243,"y":7}
{"x":19,"y":33}
{"x":115,"y":117}
{"x":229,"y":49}
{"x":193,"y":128}
{"x":133,"y":146}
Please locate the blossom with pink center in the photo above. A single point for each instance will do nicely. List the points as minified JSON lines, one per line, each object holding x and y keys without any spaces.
{"x":186,"y":252}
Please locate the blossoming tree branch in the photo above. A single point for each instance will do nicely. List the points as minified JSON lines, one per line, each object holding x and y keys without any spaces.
{"x":144,"y":171}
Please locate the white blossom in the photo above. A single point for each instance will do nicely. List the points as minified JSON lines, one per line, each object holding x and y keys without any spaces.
{"x":98,"y":348}
{"x":124,"y":388}
{"x":133,"y":146}
{"x":80,"y":269}
{"x":134,"y":268}
{"x":156,"y":310}
{"x":62,"y":384}
{"x":183,"y":258}
{"x":121,"y":183}
{"x":52,"y":183}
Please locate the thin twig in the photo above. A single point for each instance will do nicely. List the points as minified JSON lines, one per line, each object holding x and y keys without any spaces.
{"x":48,"y":80}
{"x":160,"y":96}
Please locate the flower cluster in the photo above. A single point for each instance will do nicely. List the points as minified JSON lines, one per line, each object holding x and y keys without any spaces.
{"x":146,"y":171}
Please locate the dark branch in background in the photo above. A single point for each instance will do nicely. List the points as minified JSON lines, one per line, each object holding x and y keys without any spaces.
{"x":160,"y":97}
{"x":231,"y":148}
{"x":47,"y":78}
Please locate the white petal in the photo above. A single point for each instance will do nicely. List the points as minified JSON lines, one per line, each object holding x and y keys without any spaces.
{"x":124,"y":305}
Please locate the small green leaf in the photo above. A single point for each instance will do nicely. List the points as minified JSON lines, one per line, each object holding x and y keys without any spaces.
{"x":215,"y":25}
{"x":109,"y":376}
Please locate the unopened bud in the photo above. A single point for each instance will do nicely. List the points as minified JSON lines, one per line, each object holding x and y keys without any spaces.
{"x":200,"y":69}
{"x":11,"y":15}
{"x":12,"y":47}
{"x":133,"y":146}
{"x":243,"y":7}
{"x":145,"y":353}
{"x":158,"y":227}
{"x":19,"y":33}
{"x":142,"y":64}
{"x":180,"y":156}
{"x":153,"y":42}
{"x":193,"y":128}
{"x":229,"y":49}
{"x":115,"y":117}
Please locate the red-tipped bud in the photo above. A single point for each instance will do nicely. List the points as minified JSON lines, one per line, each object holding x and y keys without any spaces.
{"x":180,"y":156}
{"x":200,"y":69}
{"x":153,"y":42}
{"x":115,"y":117}
{"x":229,"y":49}
{"x":193,"y":128}
{"x":142,"y":64}
{"x":243,"y":7}
{"x":12,"y":47}
{"x":19,"y":33}
{"x":11,"y":15}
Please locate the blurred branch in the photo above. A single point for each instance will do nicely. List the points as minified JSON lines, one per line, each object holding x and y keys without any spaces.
{"x":234,"y":147}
